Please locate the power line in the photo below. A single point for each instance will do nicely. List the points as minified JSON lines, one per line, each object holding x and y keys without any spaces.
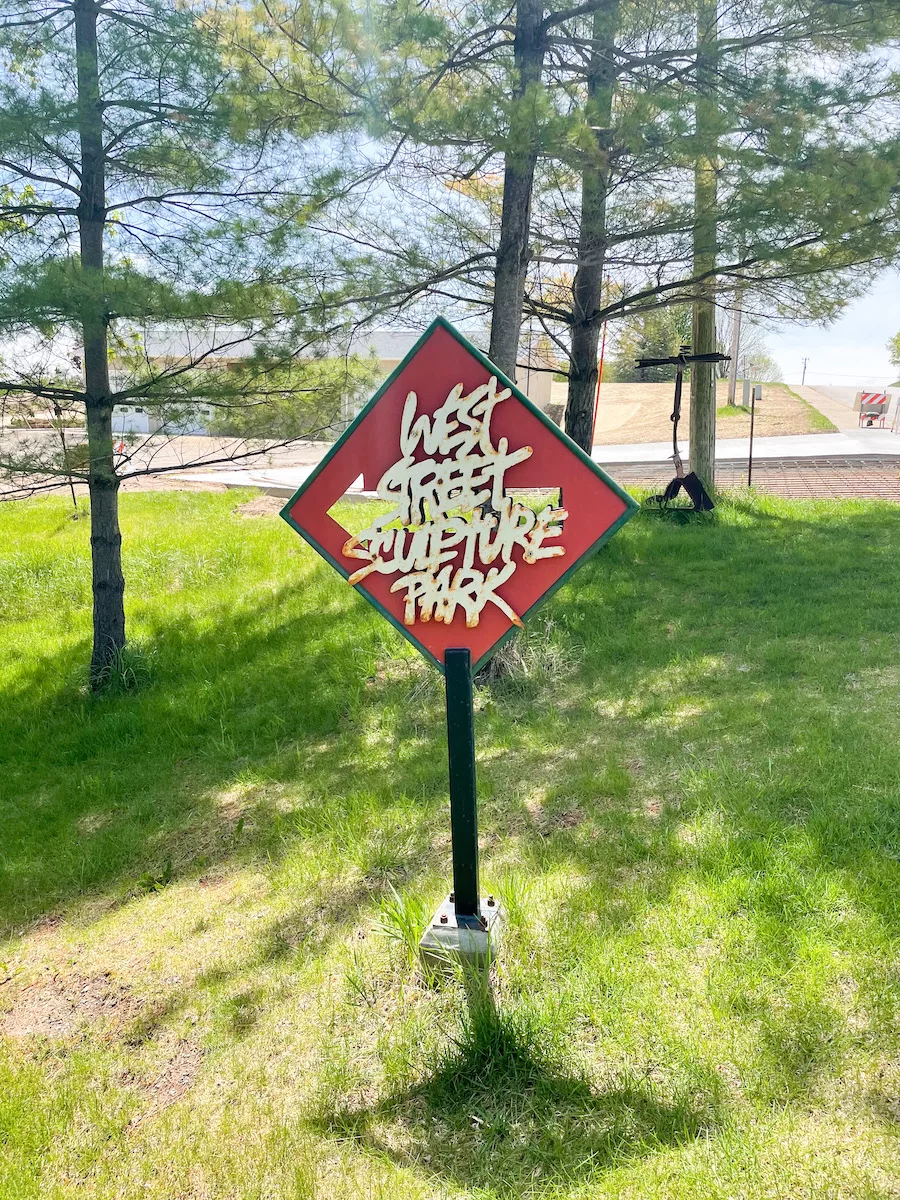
{"x":856,"y":375}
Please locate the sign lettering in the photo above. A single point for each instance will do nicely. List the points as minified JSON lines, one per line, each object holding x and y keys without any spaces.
{"x":450,"y":554}
{"x":449,"y":504}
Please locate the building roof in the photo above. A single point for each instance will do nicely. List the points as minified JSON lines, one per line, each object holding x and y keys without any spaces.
{"x":193,"y":340}
{"x":394,"y":344}
{"x":232,"y":341}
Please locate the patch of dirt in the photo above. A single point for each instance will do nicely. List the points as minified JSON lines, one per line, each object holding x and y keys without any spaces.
{"x":172,"y":1082}
{"x":566,"y":820}
{"x":546,"y":822}
{"x":884,"y":1091}
{"x":45,"y":926}
{"x":168,"y":483}
{"x":58,"y":1008}
{"x":93,"y":821}
{"x":262,"y":506}
{"x":234,"y":803}
{"x":640,"y":412}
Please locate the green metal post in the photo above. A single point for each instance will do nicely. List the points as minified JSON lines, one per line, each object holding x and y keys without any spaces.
{"x":463,"y":805}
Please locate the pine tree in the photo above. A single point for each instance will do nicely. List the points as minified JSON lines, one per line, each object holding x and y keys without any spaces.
{"x":146,"y":181}
{"x":802,"y":172}
{"x":518,"y":183}
{"x":657,"y":333}
{"x":784,"y":185}
{"x":459,"y":105}
{"x":587,"y":287}
{"x":706,"y":190}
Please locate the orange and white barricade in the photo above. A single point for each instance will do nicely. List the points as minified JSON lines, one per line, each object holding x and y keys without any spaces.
{"x":872,"y":408}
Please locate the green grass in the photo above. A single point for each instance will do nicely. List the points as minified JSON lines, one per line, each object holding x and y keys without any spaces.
{"x":817,"y":420}
{"x":212,"y":882}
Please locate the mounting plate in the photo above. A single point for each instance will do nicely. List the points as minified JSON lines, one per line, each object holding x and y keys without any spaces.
{"x":467,"y":941}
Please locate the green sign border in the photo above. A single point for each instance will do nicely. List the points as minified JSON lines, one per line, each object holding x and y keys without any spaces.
{"x":441,"y":322}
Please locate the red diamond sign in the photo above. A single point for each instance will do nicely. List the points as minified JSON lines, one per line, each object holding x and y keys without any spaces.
{"x":454,"y":555}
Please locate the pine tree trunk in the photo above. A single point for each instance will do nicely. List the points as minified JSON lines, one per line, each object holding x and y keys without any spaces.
{"x":703,"y":375}
{"x":588,"y":283}
{"x":518,"y":182}
{"x":103,"y":482}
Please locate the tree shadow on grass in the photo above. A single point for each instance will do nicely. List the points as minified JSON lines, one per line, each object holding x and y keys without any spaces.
{"x":498,"y":1115}
{"x":127,"y":793}
{"x":277,"y":690}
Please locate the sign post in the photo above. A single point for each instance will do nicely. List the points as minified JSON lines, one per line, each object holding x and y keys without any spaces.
{"x":463,"y":802}
{"x":484,"y":508}
{"x":755,"y":396}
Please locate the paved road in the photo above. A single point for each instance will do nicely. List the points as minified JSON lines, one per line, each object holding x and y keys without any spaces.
{"x":650,"y":462}
{"x":845,"y":395}
{"x":839,"y":401}
{"x":859,"y":478}
{"x":867,"y":460}
{"x":177,"y":452}
{"x":842,"y":417}
{"x":169,"y":456}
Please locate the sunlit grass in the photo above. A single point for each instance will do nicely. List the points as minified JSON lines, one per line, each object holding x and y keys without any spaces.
{"x":210,"y":879}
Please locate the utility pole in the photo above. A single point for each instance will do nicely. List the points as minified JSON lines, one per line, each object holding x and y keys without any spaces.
{"x":737,"y":315}
{"x":803,"y":380}
{"x":528,"y":365}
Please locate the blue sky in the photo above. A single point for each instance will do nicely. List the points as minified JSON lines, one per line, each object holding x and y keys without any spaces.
{"x":850,"y":352}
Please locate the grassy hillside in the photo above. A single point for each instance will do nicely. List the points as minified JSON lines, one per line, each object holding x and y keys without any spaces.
{"x":212,"y":885}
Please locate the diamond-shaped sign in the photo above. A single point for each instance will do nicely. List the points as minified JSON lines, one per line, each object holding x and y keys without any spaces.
{"x":458,"y":554}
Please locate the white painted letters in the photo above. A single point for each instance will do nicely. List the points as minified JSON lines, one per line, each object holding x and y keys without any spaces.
{"x":452,"y":518}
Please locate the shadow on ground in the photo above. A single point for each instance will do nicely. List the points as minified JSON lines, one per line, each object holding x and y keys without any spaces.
{"x":268,"y":692}
{"x":497,"y":1113}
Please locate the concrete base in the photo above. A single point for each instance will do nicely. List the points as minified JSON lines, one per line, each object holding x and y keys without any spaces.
{"x":448,"y":942}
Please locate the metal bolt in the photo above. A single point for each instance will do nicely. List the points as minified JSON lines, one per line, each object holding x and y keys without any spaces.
{"x":491,"y":901}
{"x":452,"y":896}
{"x":483,"y":922}
{"x":443,"y":918}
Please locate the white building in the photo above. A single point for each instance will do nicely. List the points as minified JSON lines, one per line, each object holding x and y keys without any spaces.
{"x":135,"y":418}
{"x":391,"y":346}
{"x":167,"y":347}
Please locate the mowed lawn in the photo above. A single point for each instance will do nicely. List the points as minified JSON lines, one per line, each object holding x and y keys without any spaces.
{"x":212,"y":885}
